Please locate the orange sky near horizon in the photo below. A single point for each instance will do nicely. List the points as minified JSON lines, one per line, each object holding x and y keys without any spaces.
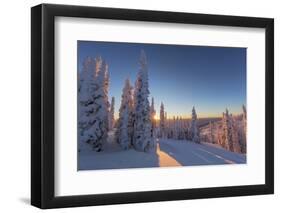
{"x":185,"y":116}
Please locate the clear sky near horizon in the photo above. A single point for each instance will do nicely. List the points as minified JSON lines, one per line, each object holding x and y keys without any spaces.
{"x":209,"y":78}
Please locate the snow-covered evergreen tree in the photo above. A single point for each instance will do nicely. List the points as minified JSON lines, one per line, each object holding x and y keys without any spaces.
{"x":211,"y":129}
{"x":177,"y":129}
{"x":181,"y":129}
{"x":135,"y":94}
{"x":245,"y":122}
{"x":86,"y":84}
{"x":174,"y":128}
{"x":106,"y":90}
{"x":187,"y":129}
{"x":235,"y":134}
{"x":162,"y":121}
{"x":227,"y":136}
{"x":166,"y":124}
{"x":241,"y":128}
{"x":125,"y":123}
{"x":93,"y":118}
{"x":100,"y":98}
{"x":152,"y":117}
{"x":142,"y":140}
{"x":111,"y":121}
{"x":194,"y":130}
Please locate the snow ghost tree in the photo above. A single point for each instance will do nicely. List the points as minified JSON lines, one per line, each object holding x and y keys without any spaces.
{"x":142,"y":140}
{"x":125,"y":123}
{"x":93,"y":103}
{"x":111,"y":120}
{"x":162,"y":121}
{"x":152,"y":117}
{"x":194,"y":131}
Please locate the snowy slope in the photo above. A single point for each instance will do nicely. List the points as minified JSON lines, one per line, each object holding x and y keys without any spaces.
{"x":189,"y":153}
{"x":168,"y":153}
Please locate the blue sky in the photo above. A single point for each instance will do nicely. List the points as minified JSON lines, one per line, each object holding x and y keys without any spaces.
{"x":180,"y":76}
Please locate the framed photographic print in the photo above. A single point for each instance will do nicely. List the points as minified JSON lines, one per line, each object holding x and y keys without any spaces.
{"x":140,"y":106}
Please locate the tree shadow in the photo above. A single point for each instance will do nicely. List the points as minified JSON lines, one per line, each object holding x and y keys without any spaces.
{"x":118,"y":159}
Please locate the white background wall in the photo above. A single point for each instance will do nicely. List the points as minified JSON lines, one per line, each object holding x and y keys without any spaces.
{"x":15,"y":105}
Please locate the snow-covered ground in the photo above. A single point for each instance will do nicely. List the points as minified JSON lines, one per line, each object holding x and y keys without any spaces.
{"x":168,"y":153}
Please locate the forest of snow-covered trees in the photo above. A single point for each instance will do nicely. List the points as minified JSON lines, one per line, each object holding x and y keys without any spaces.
{"x":136,"y":127}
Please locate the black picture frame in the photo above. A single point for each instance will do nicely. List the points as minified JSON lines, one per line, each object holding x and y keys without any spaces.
{"x":43,"y":105}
